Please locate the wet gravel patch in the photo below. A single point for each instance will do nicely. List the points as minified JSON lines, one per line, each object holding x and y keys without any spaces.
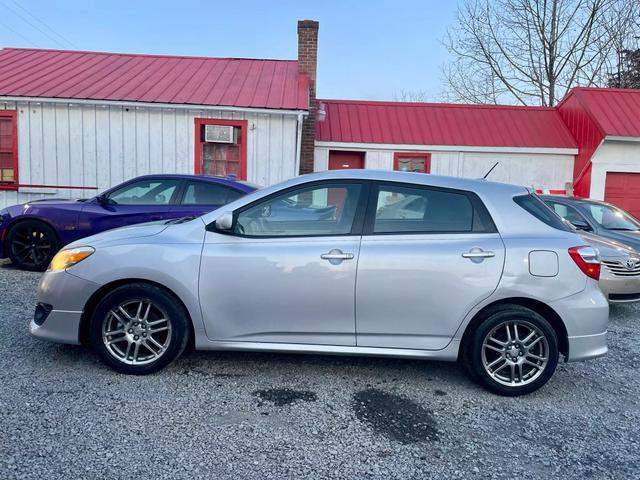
{"x":285,"y":396}
{"x":65,"y":415}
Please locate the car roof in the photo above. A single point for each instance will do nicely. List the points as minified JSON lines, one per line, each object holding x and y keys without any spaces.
{"x":419,"y":179}
{"x":566,"y":199}
{"x":228,"y":181}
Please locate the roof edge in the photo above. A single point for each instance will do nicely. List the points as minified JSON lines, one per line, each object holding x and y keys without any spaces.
{"x":436,"y":104}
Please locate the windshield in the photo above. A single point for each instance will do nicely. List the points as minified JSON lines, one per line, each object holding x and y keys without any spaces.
{"x":612,"y":218}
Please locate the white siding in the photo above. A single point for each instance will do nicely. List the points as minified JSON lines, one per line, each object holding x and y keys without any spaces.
{"x":612,"y":156}
{"x":539,"y":170}
{"x":100,"y":146}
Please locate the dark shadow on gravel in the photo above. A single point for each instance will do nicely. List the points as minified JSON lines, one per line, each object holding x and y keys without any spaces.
{"x":395,"y":417}
{"x":284,"y":396}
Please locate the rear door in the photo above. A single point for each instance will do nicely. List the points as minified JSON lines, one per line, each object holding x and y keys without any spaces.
{"x":427,"y":256}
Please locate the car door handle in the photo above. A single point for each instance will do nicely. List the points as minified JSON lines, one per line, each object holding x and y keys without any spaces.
{"x":336,"y":255}
{"x":478,"y":253}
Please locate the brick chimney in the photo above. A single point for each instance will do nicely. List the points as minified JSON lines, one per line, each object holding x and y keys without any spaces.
{"x":307,"y":63}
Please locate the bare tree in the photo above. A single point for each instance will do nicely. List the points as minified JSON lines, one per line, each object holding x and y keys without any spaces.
{"x":405,"y":95}
{"x":533,"y":51}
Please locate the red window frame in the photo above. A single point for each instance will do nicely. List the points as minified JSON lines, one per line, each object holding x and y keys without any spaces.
{"x":12,"y":114}
{"x":242,"y":124}
{"x":425,"y":155}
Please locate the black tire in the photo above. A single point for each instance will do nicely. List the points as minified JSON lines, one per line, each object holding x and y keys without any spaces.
{"x":495,"y":323}
{"x":164,"y":302}
{"x":31,"y":244}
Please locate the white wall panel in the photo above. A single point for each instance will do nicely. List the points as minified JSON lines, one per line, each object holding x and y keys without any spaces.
{"x":540,"y":170}
{"x":100,"y":146}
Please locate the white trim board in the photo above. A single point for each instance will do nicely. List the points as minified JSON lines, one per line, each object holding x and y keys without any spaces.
{"x":443,"y":148}
{"x":130,"y":104}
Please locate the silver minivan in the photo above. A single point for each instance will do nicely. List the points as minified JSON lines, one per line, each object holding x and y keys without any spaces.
{"x":342,"y":262}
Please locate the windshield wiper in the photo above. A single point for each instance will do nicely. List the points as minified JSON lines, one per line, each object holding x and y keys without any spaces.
{"x":176,"y":221}
{"x":622,"y":229}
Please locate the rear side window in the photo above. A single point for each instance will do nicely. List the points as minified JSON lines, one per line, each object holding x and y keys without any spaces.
{"x":536,"y":207}
{"x":208,"y":193}
{"x":403,"y":209}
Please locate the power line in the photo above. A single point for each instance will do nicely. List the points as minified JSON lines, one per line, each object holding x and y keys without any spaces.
{"x":46,"y":25}
{"x":19,"y":34}
{"x":26,"y":20}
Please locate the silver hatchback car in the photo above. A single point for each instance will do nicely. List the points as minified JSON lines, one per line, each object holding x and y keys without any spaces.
{"x":479,"y":272}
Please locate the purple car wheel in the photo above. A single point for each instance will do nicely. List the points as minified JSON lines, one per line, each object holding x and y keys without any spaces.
{"x":32,"y":245}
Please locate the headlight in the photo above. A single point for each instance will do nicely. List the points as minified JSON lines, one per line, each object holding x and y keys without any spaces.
{"x":67,"y":258}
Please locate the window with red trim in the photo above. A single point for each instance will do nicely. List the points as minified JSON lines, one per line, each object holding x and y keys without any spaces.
{"x":412,"y":162}
{"x":8,"y":149}
{"x":218,"y":157}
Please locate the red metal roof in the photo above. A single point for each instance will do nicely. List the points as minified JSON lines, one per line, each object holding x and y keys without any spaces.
{"x":615,"y":111}
{"x":442,"y":124}
{"x":153,"y":78}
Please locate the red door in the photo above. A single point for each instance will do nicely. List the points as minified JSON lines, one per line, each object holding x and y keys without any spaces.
{"x":340,"y":160}
{"x":623,"y":190}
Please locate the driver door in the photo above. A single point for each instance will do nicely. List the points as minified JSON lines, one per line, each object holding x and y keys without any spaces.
{"x":139,"y":201}
{"x":286,"y":272}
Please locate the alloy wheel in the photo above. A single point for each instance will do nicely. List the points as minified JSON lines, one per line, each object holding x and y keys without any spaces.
{"x":515,"y":353}
{"x":136,"y":332}
{"x":31,"y":245}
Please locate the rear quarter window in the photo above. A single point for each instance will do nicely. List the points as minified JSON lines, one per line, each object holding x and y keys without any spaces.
{"x":536,"y":207}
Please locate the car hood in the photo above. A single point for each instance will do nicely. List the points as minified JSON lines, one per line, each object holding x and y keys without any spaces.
{"x":24,"y":208}
{"x":608,"y":248}
{"x":117,"y":235}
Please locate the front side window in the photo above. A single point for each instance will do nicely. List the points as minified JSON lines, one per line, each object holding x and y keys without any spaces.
{"x":402,"y":209}
{"x":308,"y":211}
{"x":208,"y":193}
{"x":144,"y":192}
{"x":570,"y":214}
{"x":612,"y":218}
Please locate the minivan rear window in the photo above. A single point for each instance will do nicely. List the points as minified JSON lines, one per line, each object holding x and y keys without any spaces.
{"x":536,"y":207}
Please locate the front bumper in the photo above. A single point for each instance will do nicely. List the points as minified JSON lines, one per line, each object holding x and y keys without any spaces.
{"x":67,"y":295}
{"x":619,"y":289}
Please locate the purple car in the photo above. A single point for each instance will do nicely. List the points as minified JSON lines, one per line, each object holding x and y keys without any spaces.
{"x":31,"y":234}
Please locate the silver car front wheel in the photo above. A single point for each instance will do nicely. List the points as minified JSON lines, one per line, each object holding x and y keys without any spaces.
{"x":136,"y":332}
{"x":139,"y":328}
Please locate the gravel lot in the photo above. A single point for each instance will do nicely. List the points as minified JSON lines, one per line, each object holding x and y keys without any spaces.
{"x":245,"y":415}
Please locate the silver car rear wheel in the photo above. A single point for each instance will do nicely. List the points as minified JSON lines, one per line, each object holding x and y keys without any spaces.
{"x":515,"y":353}
{"x":136,"y":332}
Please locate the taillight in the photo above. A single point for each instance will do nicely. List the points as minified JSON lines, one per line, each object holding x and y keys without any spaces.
{"x":587,"y":259}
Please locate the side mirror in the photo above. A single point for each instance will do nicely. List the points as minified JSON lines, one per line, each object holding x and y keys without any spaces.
{"x":224,"y":222}
{"x":581,"y":225}
{"x":102,"y":199}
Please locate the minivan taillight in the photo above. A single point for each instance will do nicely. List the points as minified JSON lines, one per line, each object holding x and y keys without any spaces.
{"x":587,"y":259}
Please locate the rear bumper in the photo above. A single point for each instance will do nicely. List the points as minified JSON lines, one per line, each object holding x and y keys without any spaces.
{"x":586,"y":318}
{"x":587,"y":346}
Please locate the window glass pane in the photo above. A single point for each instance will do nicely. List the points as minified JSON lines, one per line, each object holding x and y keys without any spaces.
{"x":150,"y":192}
{"x":205,"y":193}
{"x":406,"y":210}
{"x":612,"y":218}
{"x":536,"y":207}
{"x":566,"y":212}
{"x":411,"y":164}
{"x":321,"y":210}
{"x":7,"y":174}
{"x":221,"y":159}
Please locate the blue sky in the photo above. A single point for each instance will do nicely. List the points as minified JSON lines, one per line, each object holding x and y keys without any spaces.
{"x":368,"y":49}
